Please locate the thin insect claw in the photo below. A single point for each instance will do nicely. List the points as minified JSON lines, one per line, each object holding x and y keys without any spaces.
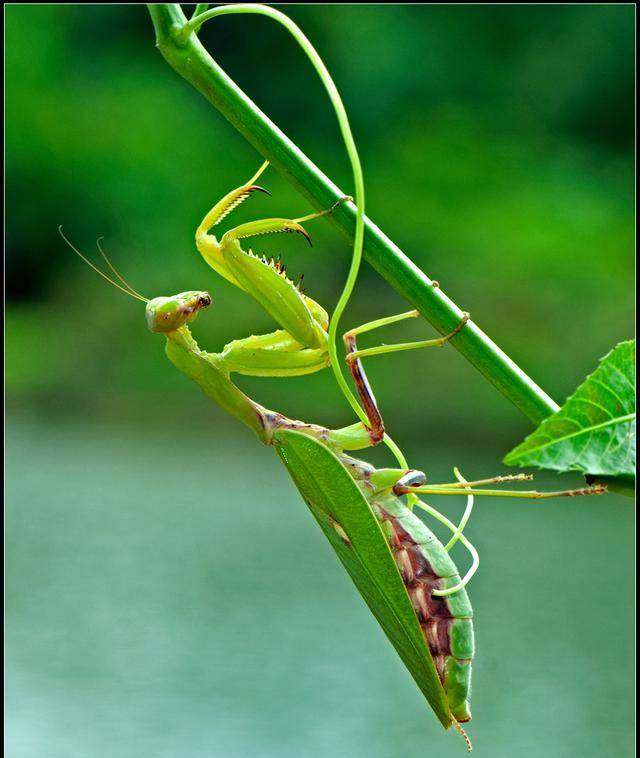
{"x":305,"y":234}
{"x":257,"y":188}
{"x":344,"y":199}
{"x":463,"y":734}
{"x":595,"y":489}
{"x":463,"y":322}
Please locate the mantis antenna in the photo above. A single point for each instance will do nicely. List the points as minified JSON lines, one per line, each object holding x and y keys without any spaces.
{"x":116,"y":272}
{"x":128,"y":291}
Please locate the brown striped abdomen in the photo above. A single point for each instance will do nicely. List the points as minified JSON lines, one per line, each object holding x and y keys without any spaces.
{"x":445,"y":621}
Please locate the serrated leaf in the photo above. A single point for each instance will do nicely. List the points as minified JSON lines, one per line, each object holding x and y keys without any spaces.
{"x":595,"y":430}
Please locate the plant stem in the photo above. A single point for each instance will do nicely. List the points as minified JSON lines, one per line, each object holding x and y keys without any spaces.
{"x":191,"y":60}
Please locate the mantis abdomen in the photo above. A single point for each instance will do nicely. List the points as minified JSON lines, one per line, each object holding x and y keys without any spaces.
{"x":445,"y":621}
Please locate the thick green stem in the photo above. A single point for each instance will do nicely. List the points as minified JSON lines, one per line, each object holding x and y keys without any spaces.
{"x":190,"y":59}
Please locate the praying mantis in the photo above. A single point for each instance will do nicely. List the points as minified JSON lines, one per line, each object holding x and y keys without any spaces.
{"x":404,"y":573}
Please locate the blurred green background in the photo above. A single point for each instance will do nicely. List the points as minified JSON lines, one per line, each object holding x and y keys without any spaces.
{"x":168,"y":594}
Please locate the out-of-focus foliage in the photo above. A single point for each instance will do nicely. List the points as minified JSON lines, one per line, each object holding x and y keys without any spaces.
{"x":497,"y":145}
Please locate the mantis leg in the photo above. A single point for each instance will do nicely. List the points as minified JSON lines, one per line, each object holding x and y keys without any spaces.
{"x":356,"y":369}
{"x":596,"y":489}
{"x":367,"y":398}
{"x":274,"y":354}
{"x":267,"y":282}
{"x":229,"y":203}
{"x":354,"y":354}
{"x":471,"y":488}
{"x":207,"y":244}
{"x":276,"y":225}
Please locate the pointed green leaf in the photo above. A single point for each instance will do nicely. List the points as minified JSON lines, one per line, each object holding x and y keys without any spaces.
{"x":595,"y":430}
{"x":345,"y":517}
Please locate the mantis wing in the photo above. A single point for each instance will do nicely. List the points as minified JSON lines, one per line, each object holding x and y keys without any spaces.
{"x":345,"y":517}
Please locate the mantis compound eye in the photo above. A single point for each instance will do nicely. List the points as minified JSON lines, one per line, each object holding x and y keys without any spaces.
{"x":204,"y":300}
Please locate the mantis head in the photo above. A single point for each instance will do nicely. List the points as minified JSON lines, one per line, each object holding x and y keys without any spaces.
{"x":166,"y":314}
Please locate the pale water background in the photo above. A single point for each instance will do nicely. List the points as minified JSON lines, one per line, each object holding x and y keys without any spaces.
{"x":170,"y":596}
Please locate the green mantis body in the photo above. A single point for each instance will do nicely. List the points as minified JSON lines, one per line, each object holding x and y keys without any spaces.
{"x":435,"y":638}
{"x":403,"y":572}
{"x":393,"y":558}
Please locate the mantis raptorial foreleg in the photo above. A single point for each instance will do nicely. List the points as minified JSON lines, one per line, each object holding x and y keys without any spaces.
{"x":274,"y":354}
{"x":301,"y":345}
{"x":276,"y":225}
{"x":227,"y":204}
